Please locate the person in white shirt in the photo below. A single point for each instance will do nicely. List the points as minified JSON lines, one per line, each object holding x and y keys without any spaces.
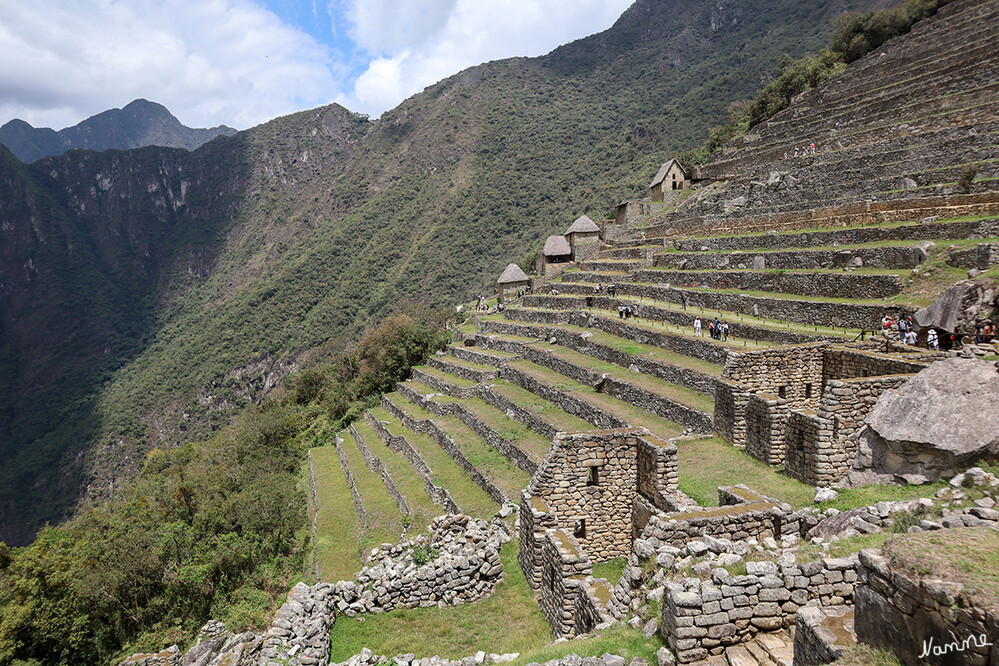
{"x":697,"y":326}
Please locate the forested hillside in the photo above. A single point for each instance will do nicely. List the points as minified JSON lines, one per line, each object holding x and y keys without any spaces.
{"x":145,"y":295}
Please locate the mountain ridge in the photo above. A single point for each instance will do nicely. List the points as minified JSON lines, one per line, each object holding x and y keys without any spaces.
{"x":137,"y":124}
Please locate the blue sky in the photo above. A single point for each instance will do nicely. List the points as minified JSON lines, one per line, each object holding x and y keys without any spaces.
{"x":242,"y":62}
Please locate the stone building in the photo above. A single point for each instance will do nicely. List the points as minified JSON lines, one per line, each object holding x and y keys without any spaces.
{"x":512,"y":278}
{"x":592,"y":493}
{"x":556,"y":251}
{"x":584,"y":238}
{"x":803,"y":406}
{"x":671,"y":176}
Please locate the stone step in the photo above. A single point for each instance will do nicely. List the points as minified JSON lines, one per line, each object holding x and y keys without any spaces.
{"x":778,"y":645}
{"x":761,"y":656}
{"x":737,"y":655}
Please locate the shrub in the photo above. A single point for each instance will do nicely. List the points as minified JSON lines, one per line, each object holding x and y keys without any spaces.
{"x":966,"y":179}
{"x":423,"y":554}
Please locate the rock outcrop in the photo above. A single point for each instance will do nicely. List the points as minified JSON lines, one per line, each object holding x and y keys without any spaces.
{"x":961,"y":303}
{"x":938,"y":423}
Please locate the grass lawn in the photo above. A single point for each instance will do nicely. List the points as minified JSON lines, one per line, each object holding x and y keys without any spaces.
{"x":611,"y":570}
{"x":507,"y":621}
{"x":968,"y":555}
{"x":705,"y":464}
{"x":338,"y":527}
{"x":850,"y":498}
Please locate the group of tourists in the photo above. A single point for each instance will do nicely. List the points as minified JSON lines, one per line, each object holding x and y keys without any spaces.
{"x":718,"y":330}
{"x":800,"y":152}
{"x":611,"y":289}
{"x":625,"y":312}
{"x":982,"y":331}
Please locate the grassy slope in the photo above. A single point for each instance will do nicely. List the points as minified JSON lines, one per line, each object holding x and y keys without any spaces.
{"x":338,"y":527}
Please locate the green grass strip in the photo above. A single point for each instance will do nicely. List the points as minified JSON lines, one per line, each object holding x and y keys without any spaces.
{"x":532,"y":443}
{"x":490,"y":462}
{"x":550,"y":413}
{"x":338,"y":526}
{"x":443,"y":469}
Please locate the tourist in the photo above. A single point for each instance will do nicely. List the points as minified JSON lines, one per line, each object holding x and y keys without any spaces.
{"x":612,"y":290}
{"x":932,"y":341}
{"x":697,"y":327}
{"x":620,"y":312}
{"x":988,"y":331}
{"x":910,"y":338}
{"x":903,"y":328}
{"x":725,"y":330}
{"x":812,"y":149}
{"x":796,"y":151}
{"x":717,"y":329}
{"x":683,"y":301}
{"x":711,"y":330}
{"x":979,"y":331}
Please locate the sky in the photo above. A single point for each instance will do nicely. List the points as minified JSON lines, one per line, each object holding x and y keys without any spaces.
{"x":243,"y":62}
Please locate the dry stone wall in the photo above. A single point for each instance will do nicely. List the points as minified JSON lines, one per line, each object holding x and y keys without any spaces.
{"x":459,"y":370}
{"x":847,"y":315}
{"x":378,"y":467}
{"x":474,"y":423}
{"x":822,"y":635}
{"x":906,"y":256}
{"x":981,"y":257}
{"x":851,"y":236}
{"x":703,"y":617}
{"x":438,"y":494}
{"x":852,"y":285}
{"x":903,"y":613}
{"x":345,"y":466}
{"x":443,"y":440}
{"x":766,"y":421}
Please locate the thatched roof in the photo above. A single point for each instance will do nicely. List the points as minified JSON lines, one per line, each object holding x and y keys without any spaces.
{"x":512,"y":273}
{"x":583,"y":225}
{"x":556,"y":246}
{"x":663,"y":170}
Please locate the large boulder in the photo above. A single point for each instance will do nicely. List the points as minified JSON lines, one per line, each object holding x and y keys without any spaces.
{"x":938,"y":423}
{"x":962,"y":302}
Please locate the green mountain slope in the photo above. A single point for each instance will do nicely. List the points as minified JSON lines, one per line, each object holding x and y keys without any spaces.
{"x":222,"y":265}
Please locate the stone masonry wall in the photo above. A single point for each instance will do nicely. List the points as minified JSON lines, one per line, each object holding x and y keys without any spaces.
{"x":848,"y":315}
{"x":845,"y":363}
{"x":853,"y":285}
{"x":905,"y":256}
{"x":902,"y":613}
{"x":477,"y":425}
{"x":647,"y":312}
{"x":758,"y":519}
{"x":793,"y":373}
{"x":730,"y":412}
{"x":851,"y":236}
{"x":766,"y":420}
{"x":702,"y":618}
{"x":564,"y":567}
{"x":589,"y":480}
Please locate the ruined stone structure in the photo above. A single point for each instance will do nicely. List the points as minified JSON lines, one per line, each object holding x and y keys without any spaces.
{"x":803,"y":406}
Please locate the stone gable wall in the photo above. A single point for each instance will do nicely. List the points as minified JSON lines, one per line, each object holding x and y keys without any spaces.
{"x":564,"y":568}
{"x":770,"y":370}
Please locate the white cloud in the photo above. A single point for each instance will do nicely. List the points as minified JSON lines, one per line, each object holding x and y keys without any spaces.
{"x":209,"y":61}
{"x":418,"y":44}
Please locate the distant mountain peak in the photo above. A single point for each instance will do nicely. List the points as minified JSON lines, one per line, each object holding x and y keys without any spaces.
{"x":139,"y":123}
